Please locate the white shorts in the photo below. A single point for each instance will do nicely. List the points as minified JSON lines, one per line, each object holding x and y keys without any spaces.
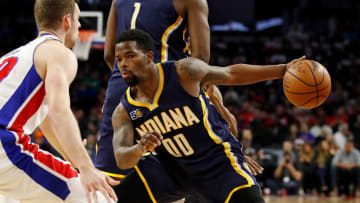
{"x":31,"y":175}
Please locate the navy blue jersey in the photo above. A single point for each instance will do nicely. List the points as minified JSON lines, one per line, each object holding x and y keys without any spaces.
{"x":168,"y":30}
{"x":158,"y":18}
{"x":196,"y":140}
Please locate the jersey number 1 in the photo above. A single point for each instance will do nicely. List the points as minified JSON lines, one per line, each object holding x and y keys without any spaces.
{"x":137,"y":7}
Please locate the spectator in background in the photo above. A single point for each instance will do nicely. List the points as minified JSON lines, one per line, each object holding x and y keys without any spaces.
{"x":306,"y":157}
{"x":342,"y":135}
{"x":91,"y":145}
{"x":39,"y":139}
{"x":322,"y":159}
{"x":346,"y":162}
{"x":287,"y":174}
{"x":305,"y":133}
{"x":293,"y":132}
{"x":246,"y":140}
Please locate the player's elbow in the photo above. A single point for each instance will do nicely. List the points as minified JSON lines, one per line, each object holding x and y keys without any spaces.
{"x":121,"y":159}
{"x":202,"y":53}
{"x":122,"y":163}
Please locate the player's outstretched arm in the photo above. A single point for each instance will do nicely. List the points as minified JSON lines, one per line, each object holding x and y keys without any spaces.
{"x":110,"y":38}
{"x":193,"y":72}
{"x":61,"y":66}
{"x":127,"y":155}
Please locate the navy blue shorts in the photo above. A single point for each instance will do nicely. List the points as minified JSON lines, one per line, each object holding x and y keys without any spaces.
{"x":165,"y":181}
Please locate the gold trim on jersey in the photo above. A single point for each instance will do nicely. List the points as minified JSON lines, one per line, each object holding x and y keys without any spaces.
{"x":115,"y":175}
{"x":227,"y":147}
{"x":187,"y":42}
{"x":155,"y":103}
{"x":234,"y":190}
{"x":145,"y":184}
{"x":165,"y":37}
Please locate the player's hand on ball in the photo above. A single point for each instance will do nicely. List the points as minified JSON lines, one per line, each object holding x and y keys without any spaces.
{"x":288,"y":65}
{"x":150,"y":141}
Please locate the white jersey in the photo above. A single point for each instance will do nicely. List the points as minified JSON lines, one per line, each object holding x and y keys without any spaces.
{"x":22,"y":91}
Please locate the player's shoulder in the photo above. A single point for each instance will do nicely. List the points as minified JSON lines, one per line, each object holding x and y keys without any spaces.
{"x":55,"y":49}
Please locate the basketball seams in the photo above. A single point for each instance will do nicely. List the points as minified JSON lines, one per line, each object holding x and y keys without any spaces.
{"x":308,"y":101}
{"x":316,"y":85}
{"x":292,"y":74}
{"x":323,"y":72}
{"x":306,"y":92}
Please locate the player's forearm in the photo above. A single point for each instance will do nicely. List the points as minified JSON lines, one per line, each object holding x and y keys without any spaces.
{"x":50,"y":136}
{"x":54,"y":143}
{"x":226,"y":115}
{"x":241,"y":74}
{"x":128,"y":157}
{"x":67,"y":133}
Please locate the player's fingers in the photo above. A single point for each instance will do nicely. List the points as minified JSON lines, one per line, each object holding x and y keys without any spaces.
{"x":93,"y":194}
{"x":158,"y":135}
{"x":105,"y":194}
{"x":110,"y":191}
{"x":155,"y":140}
{"x":88,"y":196}
{"x":255,"y":165}
{"x":252,"y":170}
{"x":149,"y":142}
{"x":111,"y":181}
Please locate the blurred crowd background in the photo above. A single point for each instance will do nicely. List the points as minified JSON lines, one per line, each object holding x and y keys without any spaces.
{"x":302,"y":151}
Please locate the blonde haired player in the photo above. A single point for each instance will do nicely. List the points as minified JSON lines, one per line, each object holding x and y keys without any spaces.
{"x":34,"y":84}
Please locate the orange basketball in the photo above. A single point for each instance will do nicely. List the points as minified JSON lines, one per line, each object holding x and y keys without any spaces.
{"x":307,"y":84}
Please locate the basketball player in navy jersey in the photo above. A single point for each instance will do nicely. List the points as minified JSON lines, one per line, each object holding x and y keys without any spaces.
{"x":170,"y":23}
{"x":167,"y":111}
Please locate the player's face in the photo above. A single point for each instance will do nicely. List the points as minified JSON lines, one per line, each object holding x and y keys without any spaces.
{"x":131,"y":62}
{"x":73,"y":32}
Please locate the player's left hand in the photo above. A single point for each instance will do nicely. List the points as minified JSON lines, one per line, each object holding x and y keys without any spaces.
{"x":288,"y":65}
{"x":255,"y":168}
{"x":150,"y":141}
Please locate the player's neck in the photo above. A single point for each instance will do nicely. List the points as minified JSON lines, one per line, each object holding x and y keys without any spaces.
{"x":150,"y":84}
{"x":59,"y":36}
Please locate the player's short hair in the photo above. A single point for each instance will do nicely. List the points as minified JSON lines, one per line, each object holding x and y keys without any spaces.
{"x":143,"y":39}
{"x":49,"y":13}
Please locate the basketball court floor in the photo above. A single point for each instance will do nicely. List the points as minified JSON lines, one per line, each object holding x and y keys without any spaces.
{"x":275,"y":199}
{"x":305,"y":199}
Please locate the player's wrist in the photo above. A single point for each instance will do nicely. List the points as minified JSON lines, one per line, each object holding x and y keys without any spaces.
{"x":140,"y":148}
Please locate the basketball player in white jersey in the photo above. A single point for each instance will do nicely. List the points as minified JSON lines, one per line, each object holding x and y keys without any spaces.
{"x":34,"y":91}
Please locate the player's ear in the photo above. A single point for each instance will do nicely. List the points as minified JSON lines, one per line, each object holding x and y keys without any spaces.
{"x":67,"y":21}
{"x":149,"y":56}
